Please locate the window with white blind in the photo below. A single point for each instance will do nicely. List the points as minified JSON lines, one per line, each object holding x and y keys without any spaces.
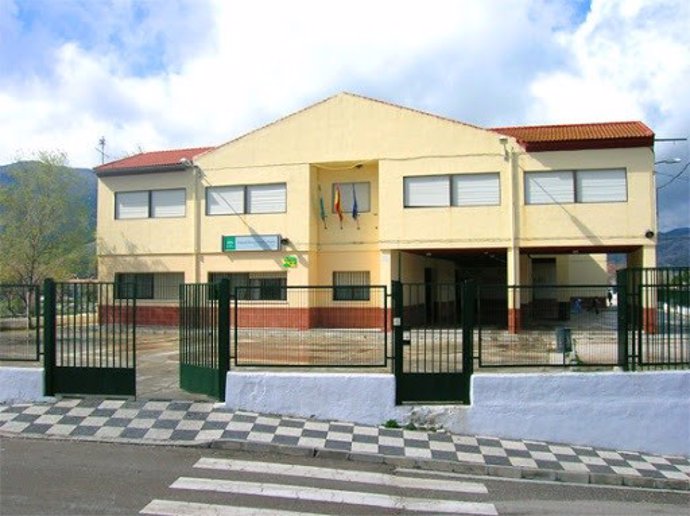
{"x":549,"y":187}
{"x":426,"y":191}
{"x":476,"y":190}
{"x":240,"y":199}
{"x":150,"y":204}
{"x":348,"y":192}
{"x":601,"y":186}
{"x":452,"y":190}
{"x":266,"y":198}
{"x":167,"y":203}
{"x":351,"y":286}
{"x":582,"y":186}
{"x":132,"y":205}
{"x":225,"y":200}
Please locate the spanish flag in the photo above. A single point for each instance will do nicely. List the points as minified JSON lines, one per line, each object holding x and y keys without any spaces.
{"x":337,"y":206}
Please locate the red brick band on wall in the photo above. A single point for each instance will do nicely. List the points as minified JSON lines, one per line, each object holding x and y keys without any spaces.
{"x":259,"y":317}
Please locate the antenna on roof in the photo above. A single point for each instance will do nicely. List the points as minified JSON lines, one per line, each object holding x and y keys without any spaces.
{"x":101,"y":144}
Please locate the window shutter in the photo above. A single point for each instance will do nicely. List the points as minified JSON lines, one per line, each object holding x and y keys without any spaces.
{"x":476,"y":190}
{"x":266,"y":198}
{"x":225,"y":200}
{"x":549,"y":187}
{"x":427,"y":191}
{"x":168,"y":203}
{"x":131,"y":205}
{"x":601,"y":185}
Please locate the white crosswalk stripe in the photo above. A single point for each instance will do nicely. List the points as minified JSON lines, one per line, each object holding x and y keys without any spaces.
{"x":345,"y":487}
{"x":343,"y":475}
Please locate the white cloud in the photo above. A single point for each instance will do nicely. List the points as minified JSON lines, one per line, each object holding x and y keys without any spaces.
{"x":169,"y":74}
{"x":259,"y":61}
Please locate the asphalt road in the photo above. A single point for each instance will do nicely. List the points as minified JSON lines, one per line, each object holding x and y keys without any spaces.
{"x":66,"y":477}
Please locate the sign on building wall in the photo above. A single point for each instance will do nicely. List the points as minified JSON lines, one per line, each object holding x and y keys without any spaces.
{"x":232,"y":243}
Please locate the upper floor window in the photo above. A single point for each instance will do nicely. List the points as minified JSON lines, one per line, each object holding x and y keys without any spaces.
{"x":240,"y":199}
{"x":349,"y":192}
{"x":145,"y":204}
{"x":452,"y":190}
{"x":569,"y":186}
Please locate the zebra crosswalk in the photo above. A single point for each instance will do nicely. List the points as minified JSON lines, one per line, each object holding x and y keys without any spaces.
{"x":241,"y":483}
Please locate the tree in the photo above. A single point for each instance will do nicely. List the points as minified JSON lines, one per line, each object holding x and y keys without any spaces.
{"x":44,"y":221}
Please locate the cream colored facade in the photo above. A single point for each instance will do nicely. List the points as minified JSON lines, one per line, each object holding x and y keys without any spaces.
{"x":348,"y":138}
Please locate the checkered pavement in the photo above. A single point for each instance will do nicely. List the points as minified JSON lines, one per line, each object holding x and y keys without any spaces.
{"x":188,"y":422}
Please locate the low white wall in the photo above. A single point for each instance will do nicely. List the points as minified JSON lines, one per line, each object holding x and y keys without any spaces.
{"x":361,"y":398}
{"x":19,"y":384}
{"x":647,"y":412}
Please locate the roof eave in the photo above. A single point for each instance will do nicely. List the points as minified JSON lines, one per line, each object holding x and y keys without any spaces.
{"x":156,"y":169}
{"x":610,"y":143}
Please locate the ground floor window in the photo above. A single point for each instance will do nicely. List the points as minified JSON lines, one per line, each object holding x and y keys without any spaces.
{"x":351,"y":286}
{"x":148,"y":285}
{"x":254,"y":286}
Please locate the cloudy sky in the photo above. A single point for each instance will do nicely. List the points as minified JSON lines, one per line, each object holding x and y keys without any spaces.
{"x":158,"y":74}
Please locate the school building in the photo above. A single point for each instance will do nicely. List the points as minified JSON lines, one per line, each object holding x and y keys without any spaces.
{"x":353,"y":191}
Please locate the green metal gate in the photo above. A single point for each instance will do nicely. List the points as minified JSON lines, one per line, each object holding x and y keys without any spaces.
{"x":205,"y":337}
{"x":89,"y":338}
{"x":433,"y":333}
{"x":654,"y":318}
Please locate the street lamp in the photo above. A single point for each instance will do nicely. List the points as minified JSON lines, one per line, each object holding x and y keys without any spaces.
{"x":667,"y":161}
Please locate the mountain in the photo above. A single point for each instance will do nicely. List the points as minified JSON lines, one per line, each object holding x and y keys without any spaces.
{"x":673,"y":248}
{"x":87,"y":175}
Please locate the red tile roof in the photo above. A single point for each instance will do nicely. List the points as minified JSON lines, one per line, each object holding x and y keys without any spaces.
{"x":604,"y":135}
{"x":156,"y":159}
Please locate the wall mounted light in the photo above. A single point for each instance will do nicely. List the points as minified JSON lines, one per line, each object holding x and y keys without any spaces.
{"x":649,"y":234}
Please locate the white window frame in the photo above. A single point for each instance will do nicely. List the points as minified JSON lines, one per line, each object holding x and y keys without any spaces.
{"x":181,"y":209}
{"x":225,"y":208}
{"x":616,"y":177}
{"x":425,"y":186}
{"x":363,"y":190}
{"x":147,"y":212}
{"x":245,"y":191}
{"x":612,"y":187}
{"x":280,"y":206}
{"x":487,"y":194}
{"x":119,"y":196}
{"x":560,"y":191}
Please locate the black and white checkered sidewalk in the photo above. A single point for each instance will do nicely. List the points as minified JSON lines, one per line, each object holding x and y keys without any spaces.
{"x":187,"y":422}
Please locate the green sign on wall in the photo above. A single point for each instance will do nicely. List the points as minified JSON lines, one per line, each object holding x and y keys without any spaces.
{"x":233,"y":243}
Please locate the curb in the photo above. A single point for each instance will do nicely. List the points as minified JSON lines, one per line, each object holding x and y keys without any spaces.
{"x":509,"y":472}
{"x":482,"y":470}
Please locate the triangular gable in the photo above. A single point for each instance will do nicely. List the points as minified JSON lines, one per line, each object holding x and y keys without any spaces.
{"x":349,"y":127}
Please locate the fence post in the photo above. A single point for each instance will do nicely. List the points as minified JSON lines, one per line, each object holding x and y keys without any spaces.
{"x":469,"y":296}
{"x":223,"y":335}
{"x":48,"y":335}
{"x":623,"y":322}
{"x":397,"y":295}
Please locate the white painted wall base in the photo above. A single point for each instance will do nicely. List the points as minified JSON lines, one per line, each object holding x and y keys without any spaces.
{"x":21,"y":384}
{"x":647,"y":412}
{"x":361,"y":398}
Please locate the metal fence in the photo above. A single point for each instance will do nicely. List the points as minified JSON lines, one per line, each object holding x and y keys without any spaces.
{"x":547,"y":326}
{"x":655,"y":319}
{"x":20,"y":323}
{"x":319,"y":326}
